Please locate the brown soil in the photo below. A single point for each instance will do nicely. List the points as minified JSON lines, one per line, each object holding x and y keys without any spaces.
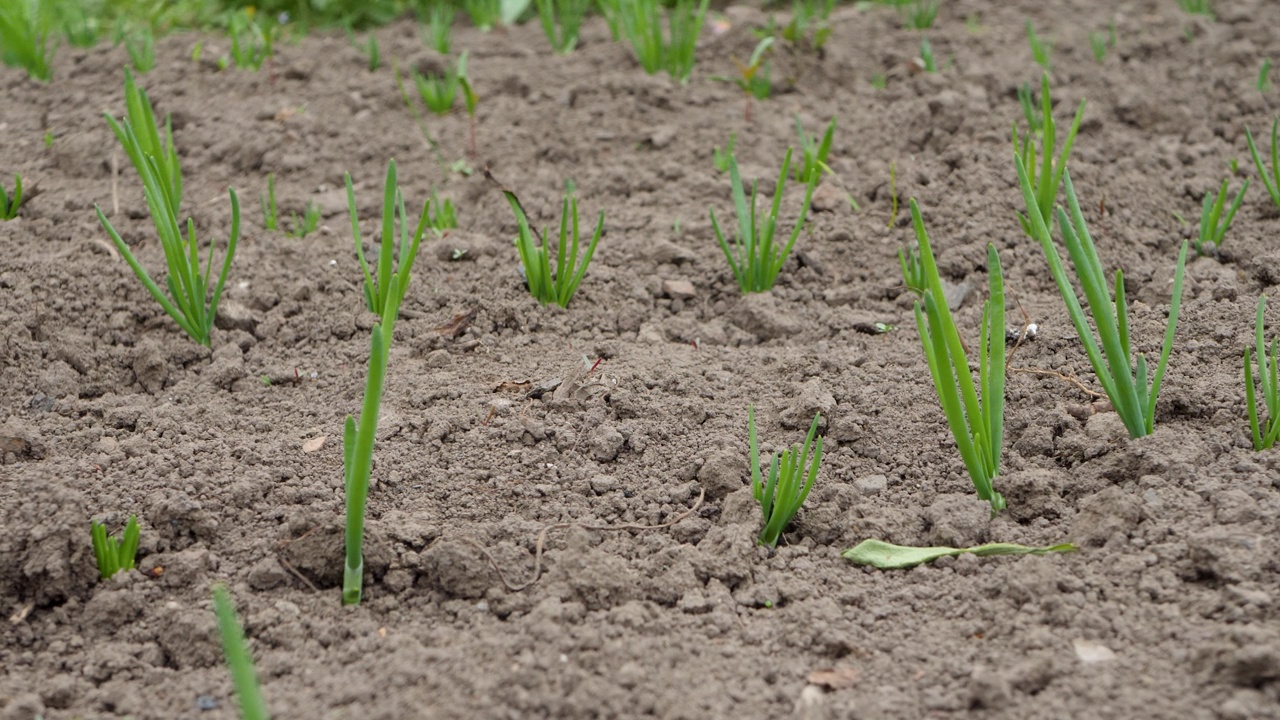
{"x":108,"y":410}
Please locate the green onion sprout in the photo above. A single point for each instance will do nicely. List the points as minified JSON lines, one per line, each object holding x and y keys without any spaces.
{"x":9,"y":204}
{"x":383,"y":297}
{"x":239,"y":662}
{"x":1213,"y":224}
{"x":1270,"y":178}
{"x":112,"y":554}
{"x":561,"y":20}
{"x":977,"y":423}
{"x":791,"y":476}
{"x":1131,"y":396}
{"x":1045,"y":183}
{"x":29,"y":36}
{"x":270,"y":216}
{"x":757,"y":260}
{"x":1264,"y":434}
{"x":640,"y":23}
{"x":815,"y":153}
{"x":535,"y":253}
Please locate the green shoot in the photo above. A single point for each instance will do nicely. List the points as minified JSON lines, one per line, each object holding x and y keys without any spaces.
{"x":1213,"y":225}
{"x":305,"y":225}
{"x":1264,"y":434}
{"x":9,"y":205}
{"x":879,"y":81}
{"x":383,"y":287}
{"x":893,"y":195}
{"x":1264,"y":77}
{"x":806,"y":15}
{"x":161,"y":183}
{"x":913,"y":276}
{"x":441,"y":213}
{"x":1040,"y":49}
{"x":535,"y":253}
{"x":791,"y":476}
{"x":440,"y":28}
{"x":757,"y":261}
{"x":438,"y":92}
{"x":514,"y":10}
{"x":1197,"y":7}
{"x":561,"y":20}
{"x":815,"y":153}
{"x":239,"y":661}
{"x":28,"y":36}
{"x":1045,"y":183}
{"x":919,"y":14}
{"x":1100,"y":43}
{"x":1270,"y":178}
{"x":977,"y":423}
{"x":1030,"y":110}
{"x":140,"y":119}
{"x":141,"y":46}
{"x":383,"y":297}
{"x":369,"y":48}
{"x":720,"y":156}
{"x":470,"y":99}
{"x":1131,"y":396}
{"x":887,"y":556}
{"x":484,"y":14}
{"x":640,"y":22}
{"x":48,"y":139}
{"x":927,"y":63}
{"x":753,"y":83}
{"x":114,"y":554}
{"x":270,"y":217}
{"x":251,"y":45}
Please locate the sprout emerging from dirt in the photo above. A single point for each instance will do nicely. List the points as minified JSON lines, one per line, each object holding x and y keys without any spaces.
{"x":239,"y":661}
{"x":791,"y":476}
{"x":1266,"y":433}
{"x":9,"y":205}
{"x":1213,"y":225}
{"x":1271,"y":176}
{"x":535,"y":252}
{"x":1045,"y":182}
{"x":112,"y":554}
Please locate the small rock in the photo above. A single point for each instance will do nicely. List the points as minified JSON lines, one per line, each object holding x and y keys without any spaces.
{"x":605,"y":443}
{"x":721,"y":474}
{"x":1091,"y":652}
{"x":872,"y":484}
{"x":678,"y":289}
{"x":234,"y":316}
{"x":828,"y":198}
{"x":663,"y":135}
{"x":958,"y":520}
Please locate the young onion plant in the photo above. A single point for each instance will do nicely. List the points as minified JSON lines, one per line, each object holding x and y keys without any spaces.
{"x":1270,"y":177}
{"x":814,"y":152}
{"x":115,"y":554}
{"x":977,"y":423}
{"x":29,"y":36}
{"x":239,"y":662}
{"x":1045,"y":182}
{"x":1265,"y":433}
{"x":756,"y":259}
{"x":561,"y":20}
{"x":790,"y":478}
{"x":1133,"y":398}
{"x":1213,"y":224}
{"x":188,"y":302}
{"x":535,"y":253}
{"x":9,"y":204}
{"x":439,"y":92}
{"x":640,"y":22}
{"x":383,"y":290}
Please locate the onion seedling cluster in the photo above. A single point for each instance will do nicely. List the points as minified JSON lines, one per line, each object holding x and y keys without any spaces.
{"x":29,"y":36}
{"x":535,"y":253}
{"x":814,"y":153}
{"x":640,"y":23}
{"x":1213,"y":224}
{"x":1132,"y":397}
{"x":919,"y":14}
{"x":561,"y":21}
{"x":439,"y":92}
{"x":188,"y":302}
{"x":976,"y":422}
{"x":115,"y":554}
{"x":440,"y":27}
{"x":1265,"y":433}
{"x":755,"y":258}
{"x":789,"y":480}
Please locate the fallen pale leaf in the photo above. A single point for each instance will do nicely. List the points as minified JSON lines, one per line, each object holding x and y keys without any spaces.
{"x":314,"y":444}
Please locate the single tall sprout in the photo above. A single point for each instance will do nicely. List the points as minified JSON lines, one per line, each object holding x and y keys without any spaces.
{"x":1265,"y":433}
